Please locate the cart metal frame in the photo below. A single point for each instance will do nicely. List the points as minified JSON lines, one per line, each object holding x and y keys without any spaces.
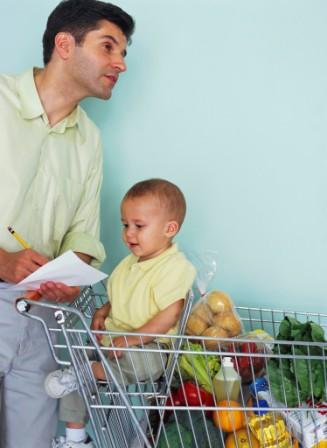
{"x":139,"y":415}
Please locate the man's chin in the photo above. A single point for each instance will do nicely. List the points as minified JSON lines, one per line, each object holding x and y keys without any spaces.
{"x":104,"y":95}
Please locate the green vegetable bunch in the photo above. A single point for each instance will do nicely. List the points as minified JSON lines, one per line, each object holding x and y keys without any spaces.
{"x":197,"y":366}
{"x":292,"y":379}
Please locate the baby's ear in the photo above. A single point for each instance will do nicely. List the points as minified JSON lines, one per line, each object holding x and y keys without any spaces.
{"x":172,"y":228}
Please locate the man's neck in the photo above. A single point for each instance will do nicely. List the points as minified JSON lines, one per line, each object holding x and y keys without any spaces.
{"x":56,"y":95}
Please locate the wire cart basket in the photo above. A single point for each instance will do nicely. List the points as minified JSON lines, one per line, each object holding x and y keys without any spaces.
{"x":282,"y":401}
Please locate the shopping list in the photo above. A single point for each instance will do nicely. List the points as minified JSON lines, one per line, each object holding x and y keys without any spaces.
{"x":68,"y":268}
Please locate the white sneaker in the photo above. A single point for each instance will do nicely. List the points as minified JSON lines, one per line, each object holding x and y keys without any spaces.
{"x":60,"y":383}
{"x":61,"y":442}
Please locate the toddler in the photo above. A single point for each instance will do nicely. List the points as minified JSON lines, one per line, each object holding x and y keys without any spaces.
{"x":146,"y":295}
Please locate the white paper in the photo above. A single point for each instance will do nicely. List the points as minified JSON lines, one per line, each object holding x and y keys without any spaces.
{"x":68,"y":268}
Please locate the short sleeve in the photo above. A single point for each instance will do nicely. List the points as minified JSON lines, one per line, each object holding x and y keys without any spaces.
{"x":173,"y":282}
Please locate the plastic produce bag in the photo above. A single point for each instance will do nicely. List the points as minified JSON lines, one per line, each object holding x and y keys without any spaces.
{"x":214,"y":316}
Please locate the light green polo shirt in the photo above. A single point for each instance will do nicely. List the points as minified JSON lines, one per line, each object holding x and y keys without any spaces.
{"x":50,"y":177}
{"x":139,"y":290}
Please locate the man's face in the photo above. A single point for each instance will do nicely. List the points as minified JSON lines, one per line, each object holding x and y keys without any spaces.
{"x":96,"y":64}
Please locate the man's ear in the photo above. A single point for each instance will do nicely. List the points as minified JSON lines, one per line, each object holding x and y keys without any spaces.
{"x":64,"y":44}
{"x":172,"y":228}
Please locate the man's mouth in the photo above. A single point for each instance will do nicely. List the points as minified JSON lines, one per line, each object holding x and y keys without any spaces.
{"x":113,"y":78}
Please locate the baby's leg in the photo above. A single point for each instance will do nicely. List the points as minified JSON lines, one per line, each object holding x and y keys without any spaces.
{"x":72,"y":411}
{"x":98,"y":370}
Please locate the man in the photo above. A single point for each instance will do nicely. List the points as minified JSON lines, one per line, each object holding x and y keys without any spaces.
{"x":50,"y":178}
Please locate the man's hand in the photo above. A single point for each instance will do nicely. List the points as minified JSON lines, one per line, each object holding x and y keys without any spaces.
{"x":58,"y":292}
{"x":15,"y":266}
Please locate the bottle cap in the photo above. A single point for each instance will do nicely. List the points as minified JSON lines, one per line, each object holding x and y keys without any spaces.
{"x":227,"y":362}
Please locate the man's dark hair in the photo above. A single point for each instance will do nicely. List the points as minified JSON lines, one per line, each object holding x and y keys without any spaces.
{"x":78,"y":17}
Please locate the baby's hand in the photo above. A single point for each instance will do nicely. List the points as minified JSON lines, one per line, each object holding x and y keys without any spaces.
{"x":121,"y":342}
{"x":97,"y":324}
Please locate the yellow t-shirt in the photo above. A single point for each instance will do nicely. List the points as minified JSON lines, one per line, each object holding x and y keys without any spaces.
{"x":50,"y":176}
{"x":139,"y":290}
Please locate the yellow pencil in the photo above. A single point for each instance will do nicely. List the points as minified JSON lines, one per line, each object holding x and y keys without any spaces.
{"x":31,"y":295}
{"x":18,"y":238}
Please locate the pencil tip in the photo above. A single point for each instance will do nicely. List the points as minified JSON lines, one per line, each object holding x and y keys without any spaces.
{"x":10,"y":229}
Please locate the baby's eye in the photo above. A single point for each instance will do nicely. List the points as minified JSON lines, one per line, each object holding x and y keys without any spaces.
{"x":125,"y":226}
{"x":139,"y":226}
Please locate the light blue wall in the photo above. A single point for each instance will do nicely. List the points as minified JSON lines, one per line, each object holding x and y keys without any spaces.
{"x":227,"y":98}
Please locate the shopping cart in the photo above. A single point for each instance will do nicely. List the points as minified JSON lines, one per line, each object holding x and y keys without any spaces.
{"x":167,"y":413}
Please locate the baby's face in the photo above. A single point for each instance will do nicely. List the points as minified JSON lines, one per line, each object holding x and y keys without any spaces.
{"x":145,"y":226}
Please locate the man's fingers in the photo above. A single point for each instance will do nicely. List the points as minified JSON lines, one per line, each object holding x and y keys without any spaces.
{"x":59,"y":292}
{"x":35,"y":257}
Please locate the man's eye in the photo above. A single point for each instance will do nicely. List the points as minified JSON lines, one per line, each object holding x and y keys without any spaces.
{"x":108,"y":47}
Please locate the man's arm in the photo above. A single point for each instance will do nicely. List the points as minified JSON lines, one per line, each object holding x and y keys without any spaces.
{"x":84,"y":230}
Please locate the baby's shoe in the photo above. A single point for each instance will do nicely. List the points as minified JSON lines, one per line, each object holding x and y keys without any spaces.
{"x":61,"y":382}
{"x":60,"y":442}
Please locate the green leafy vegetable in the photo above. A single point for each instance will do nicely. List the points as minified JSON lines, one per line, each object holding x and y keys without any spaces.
{"x":299,"y":376}
{"x":200,"y":367}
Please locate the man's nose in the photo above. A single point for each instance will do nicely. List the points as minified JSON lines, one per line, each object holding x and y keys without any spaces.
{"x":119,"y":64}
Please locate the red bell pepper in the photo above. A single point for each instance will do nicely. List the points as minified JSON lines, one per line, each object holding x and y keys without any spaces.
{"x":192,"y":395}
{"x":172,"y":400}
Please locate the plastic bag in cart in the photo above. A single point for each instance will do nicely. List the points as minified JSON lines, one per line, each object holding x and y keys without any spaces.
{"x":214,"y":314}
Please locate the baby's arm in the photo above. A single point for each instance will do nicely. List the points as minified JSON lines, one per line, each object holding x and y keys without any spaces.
{"x":161,"y":323}
{"x":99,"y":318}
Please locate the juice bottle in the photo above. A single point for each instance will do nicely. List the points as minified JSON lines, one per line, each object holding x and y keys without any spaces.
{"x":227,"y":382}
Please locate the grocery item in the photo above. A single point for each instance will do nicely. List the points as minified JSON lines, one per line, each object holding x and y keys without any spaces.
{"x":242,"y":438}
{"x":295,"y":379}
{"x":308,"y":424}
{"x":214,"y":316}
{"x":198,"y":366}
{"x":174,"y":433}
{"x":192,"y":395}
{"x":226,"y":419}
{"x":262,"y":336}
{"x":270,"y":429}
{"x":227,"y":382}
{"x":247,"y":366}
{"x":203,"y":432}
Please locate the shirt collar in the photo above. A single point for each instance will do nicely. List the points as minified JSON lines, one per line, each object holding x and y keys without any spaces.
{"x":31,"y":106}
{"x":147,"y":264}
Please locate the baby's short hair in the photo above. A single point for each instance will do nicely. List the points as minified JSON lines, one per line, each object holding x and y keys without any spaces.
{"x":169,"y":195}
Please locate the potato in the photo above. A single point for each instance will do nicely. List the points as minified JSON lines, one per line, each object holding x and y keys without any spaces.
{"x":214,"y":332}
{"x":229,"y":322}
{"x":195,"y":325}
{"x":220,"y":318}
{"x":203,"y":312}
{"x":219,"y":302}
